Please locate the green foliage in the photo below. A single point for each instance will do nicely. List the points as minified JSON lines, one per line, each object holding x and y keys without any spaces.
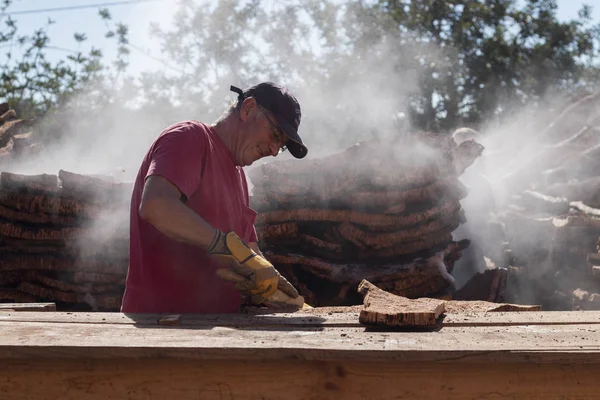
{"x":28,"y":80}
{"x":448,"y":63}
{"x":33,"y":84}
{"x":357,"y":66}
{"x":120,"y":33}
{"x":494,"y":56}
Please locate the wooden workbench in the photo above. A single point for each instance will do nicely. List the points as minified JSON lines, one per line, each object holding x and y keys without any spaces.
{"x":529,"y":355}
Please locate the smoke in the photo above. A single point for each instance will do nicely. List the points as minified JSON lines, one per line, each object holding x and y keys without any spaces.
{"x":518,"y":156}
{"x":351,"y":76}
{"x":512,"y":160}
{"x":348,"y":97}
{"x":348,"y":94}
{"x":100,"y":130}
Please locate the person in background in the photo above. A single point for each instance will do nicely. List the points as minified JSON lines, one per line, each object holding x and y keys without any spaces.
{"x":190,"y":213}
{"x":479,"y":205}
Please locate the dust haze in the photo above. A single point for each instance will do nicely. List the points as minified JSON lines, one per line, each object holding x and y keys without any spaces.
{"x":364,"y":99}
{"x":360,"y":102}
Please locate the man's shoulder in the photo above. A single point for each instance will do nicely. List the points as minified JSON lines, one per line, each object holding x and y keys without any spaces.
{"x":187,"y":125}
{"x":186,"y":130}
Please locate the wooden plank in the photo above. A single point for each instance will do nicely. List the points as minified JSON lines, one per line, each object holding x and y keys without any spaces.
{"x":542,"y":318}
{"x":386,"y":309}
{"x":556,"y":343}
{"x":317,"y":317}
{"x":291,"y":320}
{"x":292,"y":380}
{"x":27,"y":307}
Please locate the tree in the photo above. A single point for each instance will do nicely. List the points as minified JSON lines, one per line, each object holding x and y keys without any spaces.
{"x":34,"y":85}
{"x":494,"y":56}
{"x":361,"y":66}
{"x":336,"y":57}
{"x":361,"y":69}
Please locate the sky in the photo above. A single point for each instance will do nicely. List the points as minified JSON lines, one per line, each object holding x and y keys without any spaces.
{"x":145,"y":52}
{"x":137,"y":16}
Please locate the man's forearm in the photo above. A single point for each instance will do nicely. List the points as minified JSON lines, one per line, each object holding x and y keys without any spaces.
{"x":254,"y":246}
{"x":177,"y":221}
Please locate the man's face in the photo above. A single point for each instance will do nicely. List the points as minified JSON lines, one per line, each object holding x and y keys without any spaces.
{"x":263,"y":137}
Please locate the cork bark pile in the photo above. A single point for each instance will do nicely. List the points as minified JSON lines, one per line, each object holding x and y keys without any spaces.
{"x":378,"y":211}
{"x":551,"y":214}
{"x":63,"y":239}
{"x":384,"y":212}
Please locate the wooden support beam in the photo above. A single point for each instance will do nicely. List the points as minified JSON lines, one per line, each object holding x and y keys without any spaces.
{"x":292,"y":380}
{"x":309,"y":354}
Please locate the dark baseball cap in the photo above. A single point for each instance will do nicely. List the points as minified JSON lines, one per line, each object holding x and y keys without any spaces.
{"x":284,"y":107}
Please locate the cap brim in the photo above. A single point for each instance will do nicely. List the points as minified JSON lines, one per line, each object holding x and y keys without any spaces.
{"x":294,"y":145}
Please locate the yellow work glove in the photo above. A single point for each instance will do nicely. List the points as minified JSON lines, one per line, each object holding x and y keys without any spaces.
{"x":276,"y":300}
{"x":260,"y":279}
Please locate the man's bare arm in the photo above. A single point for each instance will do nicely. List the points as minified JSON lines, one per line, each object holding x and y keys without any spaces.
{"x":161,"y":206}
{"x":254,"y":246}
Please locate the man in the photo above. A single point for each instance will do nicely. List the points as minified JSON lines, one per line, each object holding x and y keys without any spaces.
{"x":479,"y":206}
{"x":190,"y":213}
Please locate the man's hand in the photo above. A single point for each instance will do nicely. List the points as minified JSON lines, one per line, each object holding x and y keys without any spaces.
{"x":281,"y":297}
{"x":260,"y":279}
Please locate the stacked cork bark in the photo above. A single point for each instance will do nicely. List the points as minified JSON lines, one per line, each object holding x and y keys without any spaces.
{"x":552,"y":259}
{"x":384,"y":212}
{"x":63,"y":239}
{"x":552,"y":214}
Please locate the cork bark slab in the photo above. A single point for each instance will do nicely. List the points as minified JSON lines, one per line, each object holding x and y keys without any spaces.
{"x":385,"y":309}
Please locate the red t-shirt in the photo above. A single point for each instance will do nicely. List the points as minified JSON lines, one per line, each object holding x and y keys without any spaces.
{"x":166,"y":276}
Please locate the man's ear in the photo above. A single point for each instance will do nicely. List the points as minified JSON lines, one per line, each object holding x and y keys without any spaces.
{"x":249,"y":107}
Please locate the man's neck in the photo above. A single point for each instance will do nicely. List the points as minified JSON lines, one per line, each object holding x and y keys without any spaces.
{"x":225,"y":129}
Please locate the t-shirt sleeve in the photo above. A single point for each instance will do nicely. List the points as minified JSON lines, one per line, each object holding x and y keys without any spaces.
{"x":178,"y":156}
{"x":253,"y":236}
